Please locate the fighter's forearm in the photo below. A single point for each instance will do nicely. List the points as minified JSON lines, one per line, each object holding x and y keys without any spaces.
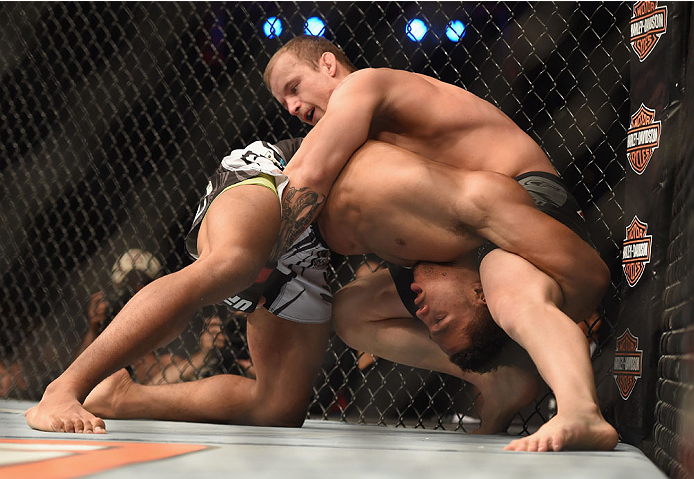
{"x":322,"y":156}
{"x":300,"y":207}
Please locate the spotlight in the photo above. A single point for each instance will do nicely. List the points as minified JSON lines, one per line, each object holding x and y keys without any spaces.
{"x":314,"y":26}
{"x":272,"y":27}
{"x":416,"y":29}
{"x":455,"y":30}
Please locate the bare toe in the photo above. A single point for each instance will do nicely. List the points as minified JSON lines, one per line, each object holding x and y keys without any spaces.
{"x":78,"y":425}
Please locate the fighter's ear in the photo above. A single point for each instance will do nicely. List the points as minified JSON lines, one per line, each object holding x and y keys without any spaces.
{"x":328,"y":61}
{"x":479,"y":292}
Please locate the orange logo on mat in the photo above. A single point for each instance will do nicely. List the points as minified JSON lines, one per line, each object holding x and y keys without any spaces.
{"x":643,"y":136}
{"x":636,"y":252}
{"x":648,"y":24}
{"x":48,"y":459}
{"x":627,"y":363}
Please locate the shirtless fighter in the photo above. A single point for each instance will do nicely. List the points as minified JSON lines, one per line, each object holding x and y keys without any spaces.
{"x":447,"y":125}
{"x":286,"y":353}
{"x":386,"y":195}
{"x":504,"y":390}
{"x":287,"y":338}
{"x":230,"y":259}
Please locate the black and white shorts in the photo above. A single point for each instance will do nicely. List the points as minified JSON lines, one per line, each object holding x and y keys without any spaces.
{"x":298,"y":290}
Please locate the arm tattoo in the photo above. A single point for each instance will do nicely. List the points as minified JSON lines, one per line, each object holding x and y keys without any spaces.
{"x":299,"y":209}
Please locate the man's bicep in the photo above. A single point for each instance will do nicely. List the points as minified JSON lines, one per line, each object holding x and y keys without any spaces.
{"x":552,"y":247}
{"x":512,"y":222}
{"x":342,"y":130}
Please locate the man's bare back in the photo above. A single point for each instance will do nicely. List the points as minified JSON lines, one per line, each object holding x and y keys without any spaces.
{"x":467,"y":131}
{"x":452,"y":126}
{"x":391,"y":202}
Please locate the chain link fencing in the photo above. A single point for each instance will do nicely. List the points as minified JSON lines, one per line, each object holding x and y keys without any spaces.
{"x":112,"y":115}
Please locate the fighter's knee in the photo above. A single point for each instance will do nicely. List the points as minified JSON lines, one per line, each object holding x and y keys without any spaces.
{"x":284,"y":414}
{"x":235,"y":266}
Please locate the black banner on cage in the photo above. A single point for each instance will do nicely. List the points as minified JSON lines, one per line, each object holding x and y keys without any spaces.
{"x":653,"y":138}
{"x":673,"y":434}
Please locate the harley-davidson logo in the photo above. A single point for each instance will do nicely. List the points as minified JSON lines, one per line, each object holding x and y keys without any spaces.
{"x":648,"y":24}
{"x":643,"y":137}
{"x":637,"y":251}
{"x":627,"y":363}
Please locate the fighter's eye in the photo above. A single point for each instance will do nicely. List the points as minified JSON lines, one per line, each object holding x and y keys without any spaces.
{"x":438,"y":319}
{"x":294,"y":89}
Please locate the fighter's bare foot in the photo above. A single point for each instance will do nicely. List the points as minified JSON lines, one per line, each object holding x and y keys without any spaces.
{"x":106,"y":399}
{"x":576,"y":431}
{"x":504,"y":393}
{"x":60,"y":412}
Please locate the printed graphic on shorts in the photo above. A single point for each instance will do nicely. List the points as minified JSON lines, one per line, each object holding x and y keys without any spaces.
{"x":627,"y":363}
{"x":636,"y":252}
{"x":648,"y":24}
{"x":643,"y":137}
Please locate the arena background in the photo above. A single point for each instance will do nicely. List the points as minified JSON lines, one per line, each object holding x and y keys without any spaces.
{"x":113,"y":114}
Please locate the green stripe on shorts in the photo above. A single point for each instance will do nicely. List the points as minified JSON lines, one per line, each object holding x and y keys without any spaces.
{"x":262,"y":179}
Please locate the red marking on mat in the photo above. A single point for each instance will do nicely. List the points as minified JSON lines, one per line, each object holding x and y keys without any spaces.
{"x":76,"y":462}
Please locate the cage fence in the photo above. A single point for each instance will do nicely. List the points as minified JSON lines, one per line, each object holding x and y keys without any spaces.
{"x":112,"y":115}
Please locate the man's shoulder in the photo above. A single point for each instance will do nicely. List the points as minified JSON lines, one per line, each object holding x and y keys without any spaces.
{"x":376,"y":76}
{"x":375,"y":84}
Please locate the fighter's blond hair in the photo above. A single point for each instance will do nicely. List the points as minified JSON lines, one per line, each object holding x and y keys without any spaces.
{"x":308,"y":49}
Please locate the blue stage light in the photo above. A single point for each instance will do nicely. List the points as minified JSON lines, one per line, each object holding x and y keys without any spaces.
{"x":416,"y":29}
{"x":314,"y":26}
{"x":272,"y":27}
{"x":455,"y":30}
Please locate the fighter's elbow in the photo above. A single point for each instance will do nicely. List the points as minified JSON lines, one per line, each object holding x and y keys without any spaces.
{"x":484,"y":196}
{"x":314,"y":179}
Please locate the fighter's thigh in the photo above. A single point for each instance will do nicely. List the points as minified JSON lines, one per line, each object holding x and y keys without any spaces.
{"x":235,"y":240}
{"x":513,"y":285}
{"x":287,"y":356}
{"x":245,"y":217}
{"x":373,"y":297}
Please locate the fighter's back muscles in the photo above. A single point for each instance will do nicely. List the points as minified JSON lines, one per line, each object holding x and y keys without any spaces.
{"x":365,"y":104}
